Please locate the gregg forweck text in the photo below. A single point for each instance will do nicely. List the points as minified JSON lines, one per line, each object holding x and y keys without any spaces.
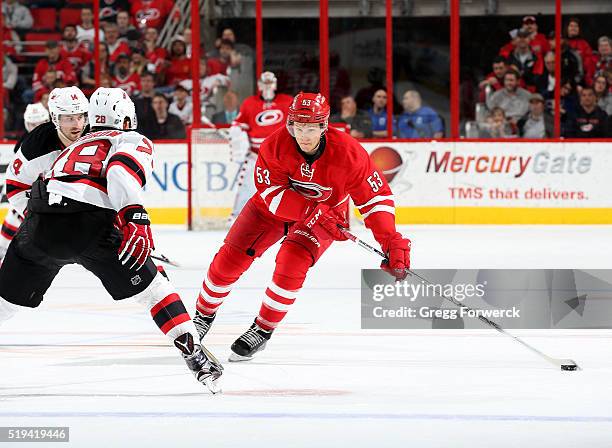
{"x":513,"y":298}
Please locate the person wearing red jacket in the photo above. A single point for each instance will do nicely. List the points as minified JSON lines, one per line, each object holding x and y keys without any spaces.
{"x":582,"y":47}
{"x":178,"y":68}
{"x":53,"y":61}
{"x":305,"y":173}
{"x":537,"y":41}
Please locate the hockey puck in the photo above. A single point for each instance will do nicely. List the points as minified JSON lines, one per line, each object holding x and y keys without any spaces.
{"x":569,"y":367}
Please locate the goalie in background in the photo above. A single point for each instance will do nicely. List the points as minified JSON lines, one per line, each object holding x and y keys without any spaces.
{"x":260,"y":115}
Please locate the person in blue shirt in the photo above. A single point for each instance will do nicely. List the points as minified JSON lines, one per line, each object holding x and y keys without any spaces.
{"x":418,"y":121}
{"x":378,"y":114}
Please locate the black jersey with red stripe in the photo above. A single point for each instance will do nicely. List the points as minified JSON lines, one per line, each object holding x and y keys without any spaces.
{"x":106,"y":167}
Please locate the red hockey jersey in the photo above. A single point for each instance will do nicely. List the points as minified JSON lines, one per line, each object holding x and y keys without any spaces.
{"x":289,"y":186}
{"x":260,"y":119}
{"x":150,"y":13}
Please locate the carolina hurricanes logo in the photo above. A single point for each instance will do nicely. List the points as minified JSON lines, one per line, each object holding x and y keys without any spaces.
{"x":147,"y":14}
{"x":269,"y":117}
{"x":311,"y":190}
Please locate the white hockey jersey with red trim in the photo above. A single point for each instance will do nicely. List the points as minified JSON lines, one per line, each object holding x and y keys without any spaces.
{"x":106,"y":168}
{"x":260,"y":118}
{"x":290,"y":186}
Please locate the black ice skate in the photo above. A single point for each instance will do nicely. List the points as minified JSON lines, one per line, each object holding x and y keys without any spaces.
{"x":203,"y":323}
{"x":252,"y":341}
{"x":204,"y":366}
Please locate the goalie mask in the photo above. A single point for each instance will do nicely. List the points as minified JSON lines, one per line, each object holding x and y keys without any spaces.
{"x":308,"y":108}
{"x":66,"y":101}
{"x":34,"y":116}
{"x":267,"y":86}
{"x":109,"y":107}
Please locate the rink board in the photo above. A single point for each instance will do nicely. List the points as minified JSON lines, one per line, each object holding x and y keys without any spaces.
{"x":433,"y":183}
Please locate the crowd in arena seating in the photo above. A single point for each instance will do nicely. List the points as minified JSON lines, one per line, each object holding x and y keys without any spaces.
{"x":517,"y":97}
{"x":130,"y":57}
{"x":515,"y":100}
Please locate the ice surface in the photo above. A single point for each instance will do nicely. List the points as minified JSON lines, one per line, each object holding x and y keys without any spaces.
{"x":102,"y":368}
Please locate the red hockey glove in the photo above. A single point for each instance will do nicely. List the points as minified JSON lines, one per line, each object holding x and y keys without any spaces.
{"x":137,"y":244}
{"x":397,"y":249}
{"x":324,"y":222}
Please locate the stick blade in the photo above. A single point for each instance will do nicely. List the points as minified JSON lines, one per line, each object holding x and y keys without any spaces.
{"x":569,"y":365}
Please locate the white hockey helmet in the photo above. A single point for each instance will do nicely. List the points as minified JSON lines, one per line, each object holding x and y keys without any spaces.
{"x":109,"y":107}
{"x":267,"y":86}
{"x":66,"y":101}
{"x":35,"y":115}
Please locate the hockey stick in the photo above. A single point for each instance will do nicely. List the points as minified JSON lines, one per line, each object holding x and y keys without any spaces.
{"x":164,"y":259}
{"x":564,"y":364}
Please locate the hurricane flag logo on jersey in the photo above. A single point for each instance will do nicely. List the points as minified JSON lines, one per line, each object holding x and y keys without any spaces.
{"x":311,"y":190}
{"x":269,"y":117}
{"x":307,"y":170}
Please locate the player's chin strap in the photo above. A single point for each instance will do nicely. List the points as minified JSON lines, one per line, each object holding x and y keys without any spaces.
{"x":564,"y":364}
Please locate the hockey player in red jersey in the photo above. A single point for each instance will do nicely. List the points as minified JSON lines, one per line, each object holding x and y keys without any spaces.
{"x":89,"y":210}
{"x":304,"y":175}
{"x":259,"y":116}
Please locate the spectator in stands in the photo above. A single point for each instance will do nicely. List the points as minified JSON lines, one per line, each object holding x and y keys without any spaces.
{"x":228,"y":34}
{"x":575,"y":41}
{"x":106,"y":80}
{"x":187,"y":37}
{"x":513,"y":99}
{"x":602,"y":92}
{"x":77,"y":54}
{"x":110,"y":8}
{"x":138,"y":63}
{"x":228,"y":58}
{"x":359,"y":121}
{"x":571,"y":62}
{"x":569,"y":102}
{"x":143,"y":102}
{"x":603,"y":57}
{"x":53,"y":61}
{"x":9,"y":74}
{"x":495,"y":79}
{"x":230,"y":106}
{"x":589,"y":121}
{"x":522,"y":59}
{"x":182,"y":106}
{"x":537,"y":123}
{"x":155,"y":55}
{"x":378,"y":114}
{"x":166,"y":125}
{"x":178,"y":67}
{"x":115,"y":46}
{"x":127,"y":31}
{"x":88,"y":82}
{"x":496,"y":125}
{"x":507,"y":49}
{"x":537,"y":41}
{"x":16,"y":16}
{"x":152,"y":13}
{"x":376,"y":81}
{"x":418,"y":121}
{"x":123,"y":78}
{"x":208,"y":86}
{"x":86,"y":30}
{"x":545,"y":83}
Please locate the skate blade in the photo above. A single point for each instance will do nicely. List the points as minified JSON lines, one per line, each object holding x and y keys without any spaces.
{"x":234,"y":357}
{"x":213,"y":385}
